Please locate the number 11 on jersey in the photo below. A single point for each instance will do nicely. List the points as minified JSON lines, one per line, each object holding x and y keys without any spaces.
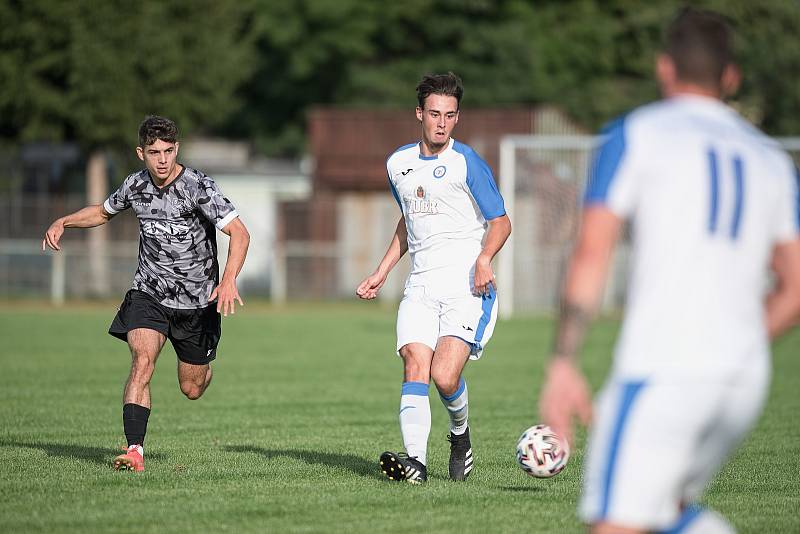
{"x":738,"y":184}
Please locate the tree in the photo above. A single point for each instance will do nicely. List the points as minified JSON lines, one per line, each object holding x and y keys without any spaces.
{"x":90,"y":71}
{"x":592,"y":58}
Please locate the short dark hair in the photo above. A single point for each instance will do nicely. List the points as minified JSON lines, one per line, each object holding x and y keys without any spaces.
{"x":439,"y":84}
{"x":154,"y":128}
{"x":700,"y":44}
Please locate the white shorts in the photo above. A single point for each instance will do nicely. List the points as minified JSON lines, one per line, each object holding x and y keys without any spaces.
{"x":423,"y":318}
{"x":656,"y":445}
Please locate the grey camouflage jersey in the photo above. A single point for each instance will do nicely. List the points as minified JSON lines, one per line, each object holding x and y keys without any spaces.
{"x":177,"y":235}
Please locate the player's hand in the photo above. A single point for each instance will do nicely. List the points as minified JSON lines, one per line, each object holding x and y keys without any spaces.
{"x":565,"y":395}
{"x":226,"y":295}
{"x":368,"y":289}
{"x":484,"y":278}
{"x":53,"y":235}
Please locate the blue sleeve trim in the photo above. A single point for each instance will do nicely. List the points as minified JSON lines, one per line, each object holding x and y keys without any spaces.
{"x":404,"y":147}
{"x":415,"y":388}
{"x":481,"y":183}
{"x":606,"y":162}
{"x":394,"y":194}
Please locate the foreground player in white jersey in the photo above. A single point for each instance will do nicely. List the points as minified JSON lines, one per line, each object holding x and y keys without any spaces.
{"x":448,"y":199}
{"x":713,"y":203}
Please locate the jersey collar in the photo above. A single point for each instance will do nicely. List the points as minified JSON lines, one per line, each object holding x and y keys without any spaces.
{"x":435,"y":156}
{"x":169,"y":185}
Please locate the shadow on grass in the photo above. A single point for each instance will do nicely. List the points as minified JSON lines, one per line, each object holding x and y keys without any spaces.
{"x":97,"y":455}
{"x":351,"y":462}
{"x":522,"y":489}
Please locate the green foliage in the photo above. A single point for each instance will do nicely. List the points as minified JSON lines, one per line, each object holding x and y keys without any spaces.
{"x":594,"y":59}
{"x":90,"y":70}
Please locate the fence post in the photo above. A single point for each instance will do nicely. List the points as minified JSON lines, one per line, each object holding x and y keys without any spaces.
{"x":57,"y":278}
{"x":506,"y":259}
{"x":277,"y":283}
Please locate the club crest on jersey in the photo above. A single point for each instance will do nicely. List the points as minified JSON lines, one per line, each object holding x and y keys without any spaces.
{"x":439,"y":171}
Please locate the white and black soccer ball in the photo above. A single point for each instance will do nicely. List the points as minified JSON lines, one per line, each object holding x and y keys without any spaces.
{"x":542,"y":453}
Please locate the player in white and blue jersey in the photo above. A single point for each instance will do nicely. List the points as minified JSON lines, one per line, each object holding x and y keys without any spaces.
{"x":452,"y":222}
{"x":713,"y":204}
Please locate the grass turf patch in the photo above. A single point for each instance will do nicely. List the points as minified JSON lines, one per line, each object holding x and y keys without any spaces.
{"x":286,"y":439}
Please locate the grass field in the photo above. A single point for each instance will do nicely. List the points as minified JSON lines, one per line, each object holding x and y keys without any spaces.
{"x":304,"y":399}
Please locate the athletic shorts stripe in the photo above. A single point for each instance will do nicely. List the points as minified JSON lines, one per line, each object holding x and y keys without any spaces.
{"x":630,"y":391}
{"x":687,"y":517}
{"x":488,"y":303}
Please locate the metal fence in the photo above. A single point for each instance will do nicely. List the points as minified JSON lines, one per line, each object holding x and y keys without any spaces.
{"x":541,"y":178}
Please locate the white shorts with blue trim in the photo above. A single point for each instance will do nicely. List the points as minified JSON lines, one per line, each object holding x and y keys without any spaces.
{"x":424,"y":318}
{"x":655,"y":445}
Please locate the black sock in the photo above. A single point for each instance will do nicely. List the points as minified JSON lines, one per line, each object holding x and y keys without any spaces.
{"x":134,"y":419}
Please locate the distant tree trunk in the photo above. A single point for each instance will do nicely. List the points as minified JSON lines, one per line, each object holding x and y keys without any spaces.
{"x":99,"y":259}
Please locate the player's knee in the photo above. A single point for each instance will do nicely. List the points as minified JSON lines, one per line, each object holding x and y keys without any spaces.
{"x":447,"y":385}
{"x":415,"y":371}
{"x":192,"y":390}
{"x":142,"y":368}
{"x":416,"y":367}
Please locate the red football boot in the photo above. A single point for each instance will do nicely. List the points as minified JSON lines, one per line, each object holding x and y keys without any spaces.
{"x":131,"y":460}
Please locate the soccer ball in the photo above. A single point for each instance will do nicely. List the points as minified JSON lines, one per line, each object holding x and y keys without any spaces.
{"x":542,"y":453}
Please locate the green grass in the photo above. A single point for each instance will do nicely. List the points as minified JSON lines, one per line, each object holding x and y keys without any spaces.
{"x":286,"y":439}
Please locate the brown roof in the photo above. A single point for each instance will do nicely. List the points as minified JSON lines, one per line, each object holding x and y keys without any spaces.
{"x":350,"y":146}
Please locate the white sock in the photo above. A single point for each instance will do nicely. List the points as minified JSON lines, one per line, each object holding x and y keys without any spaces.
{"x":415,"y":419}
{"x":137,"y":448}
{"x":457,"y":406}
{"x":698,"y":520}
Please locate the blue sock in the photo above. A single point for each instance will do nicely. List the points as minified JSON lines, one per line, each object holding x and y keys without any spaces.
{"x":457,"y":406}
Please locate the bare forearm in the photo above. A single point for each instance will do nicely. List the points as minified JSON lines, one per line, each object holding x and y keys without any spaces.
{"x":783,"y":313}
{"x":496,"y":236}
{"x":237,"y":252}
{"x":580,"y":300}
{"x":783,"y":303}
{"x":586,"y":276}
{"x":87,"y":217}
{"x":397,"y":247}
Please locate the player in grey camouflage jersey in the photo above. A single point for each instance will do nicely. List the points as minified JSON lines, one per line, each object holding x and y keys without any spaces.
{"x":176,"y":293}
{"x":177,"y":239}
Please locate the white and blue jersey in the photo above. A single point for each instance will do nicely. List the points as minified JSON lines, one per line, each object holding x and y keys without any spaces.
{"x":708,"y":197}
{"x":446,"y":200}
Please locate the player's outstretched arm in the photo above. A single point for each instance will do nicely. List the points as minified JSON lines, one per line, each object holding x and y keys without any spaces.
{"x":369,"y":287}
{"x":783,"y":302}
{"x":496,"y":236}
{"x":226,"y":292}
{"x":565,"y":393}
{"x":88,"y":217}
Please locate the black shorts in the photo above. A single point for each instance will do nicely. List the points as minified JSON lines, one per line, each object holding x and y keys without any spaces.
{"x":194,"y":333}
